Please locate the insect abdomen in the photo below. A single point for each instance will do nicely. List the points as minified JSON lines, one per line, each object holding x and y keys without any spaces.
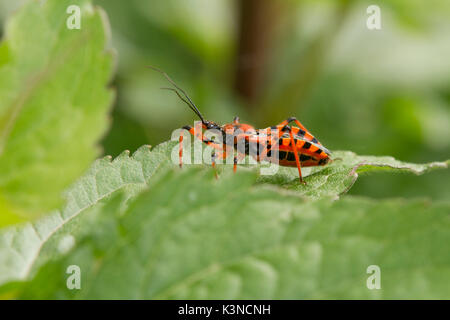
{"x":287,"y":159}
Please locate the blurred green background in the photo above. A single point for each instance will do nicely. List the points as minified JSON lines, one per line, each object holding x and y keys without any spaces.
{"x":378,"y":92}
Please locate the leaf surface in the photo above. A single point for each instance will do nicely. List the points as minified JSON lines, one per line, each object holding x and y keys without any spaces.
{"x":53,"y":104}
{"x":191,"y":237}
{"x":338,"y":177}
{"x":26,"y":248}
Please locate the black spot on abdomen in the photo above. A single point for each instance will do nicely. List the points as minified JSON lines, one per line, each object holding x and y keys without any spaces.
{"x":290,"y":156}
{"x":304,"y":157}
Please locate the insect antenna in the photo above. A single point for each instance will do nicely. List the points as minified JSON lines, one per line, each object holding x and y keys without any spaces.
{"x":186,"y":98}
{"x":182,"y":99}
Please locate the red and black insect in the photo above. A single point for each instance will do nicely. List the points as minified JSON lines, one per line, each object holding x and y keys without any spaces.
{"x":295,"y":146}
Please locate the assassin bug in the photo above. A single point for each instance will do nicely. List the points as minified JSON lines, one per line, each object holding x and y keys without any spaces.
{"x":296,"y":146}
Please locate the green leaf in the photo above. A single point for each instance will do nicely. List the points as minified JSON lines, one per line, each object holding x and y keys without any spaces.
{"x":26,"y":248}
{"x":53,"y":104}
{"x":21,"y":246}
{"x":192,"y":237}
{"x":338,"y":177}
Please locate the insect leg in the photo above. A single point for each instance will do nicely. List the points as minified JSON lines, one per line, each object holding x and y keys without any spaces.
{"x":213,"y":163}
{"x":238,"y":157}
{"x":199,"y":136}
{"x":205,"y":140}
{"x":180,"y":153}
{"x":289,"y":120}
{"x":214,"y":156}
{"x":297,"y":160}
{"x":305,"y":132}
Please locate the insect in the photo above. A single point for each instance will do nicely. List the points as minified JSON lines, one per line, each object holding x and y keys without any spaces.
{"x":295,"y":145}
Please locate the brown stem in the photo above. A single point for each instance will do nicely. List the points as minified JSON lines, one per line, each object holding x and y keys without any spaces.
{"x":306,"y":72}
{"x":257,"y":19}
